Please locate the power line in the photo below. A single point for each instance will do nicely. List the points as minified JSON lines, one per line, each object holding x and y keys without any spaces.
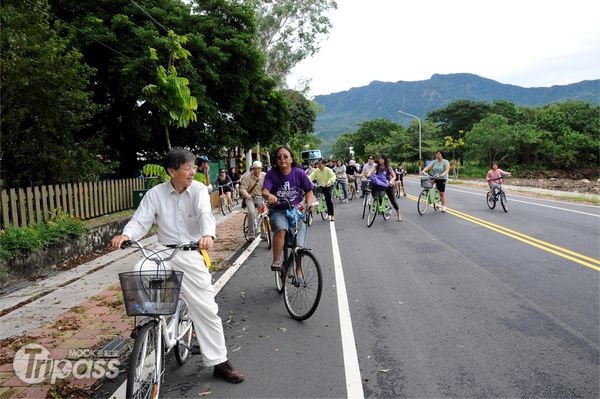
{"x":85,"y":33}
{"x":149,"y":16}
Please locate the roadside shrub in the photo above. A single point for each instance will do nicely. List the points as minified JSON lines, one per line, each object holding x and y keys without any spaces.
{"x":16,"y":241}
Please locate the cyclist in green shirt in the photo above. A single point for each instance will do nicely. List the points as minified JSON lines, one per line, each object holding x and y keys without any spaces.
{"x":325,"y":178}
{"x":440,"y":168}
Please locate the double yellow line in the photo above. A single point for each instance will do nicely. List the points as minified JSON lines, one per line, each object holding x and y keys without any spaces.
{"x":543,"y":245}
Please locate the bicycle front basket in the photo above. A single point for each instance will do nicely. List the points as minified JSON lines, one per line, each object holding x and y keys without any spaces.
{"x":426,"y":182}
{"x":151,"y":293}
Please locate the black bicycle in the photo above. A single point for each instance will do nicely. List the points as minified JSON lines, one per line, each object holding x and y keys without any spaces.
{"x":300,"y":278}
{"x":495,"y":194}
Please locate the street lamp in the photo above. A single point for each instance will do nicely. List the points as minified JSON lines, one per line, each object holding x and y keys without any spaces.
{"x":418,"y":120}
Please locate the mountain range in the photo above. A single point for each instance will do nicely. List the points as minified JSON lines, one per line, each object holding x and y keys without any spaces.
{"x":343,"y":111}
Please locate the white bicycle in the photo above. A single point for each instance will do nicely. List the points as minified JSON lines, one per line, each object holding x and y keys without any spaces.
{"x":165,"y":324}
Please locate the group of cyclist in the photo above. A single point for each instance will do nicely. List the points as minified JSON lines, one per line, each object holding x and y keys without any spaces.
{"x":182,"y":211}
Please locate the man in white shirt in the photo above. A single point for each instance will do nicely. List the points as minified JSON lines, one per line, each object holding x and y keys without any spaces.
{"x":181,"y":209}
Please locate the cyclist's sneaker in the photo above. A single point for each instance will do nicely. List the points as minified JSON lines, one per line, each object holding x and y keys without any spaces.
{"x":331,"y":218}
{"x":443,"y":209}
{"x":226,"y":371}
{"x":251,"y":237}
{"x":298,"y":281}
{"x":345,"y":201}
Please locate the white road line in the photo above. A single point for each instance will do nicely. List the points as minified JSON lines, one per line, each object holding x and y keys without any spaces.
{"x":511,"y":198}
{"x":351,"y":367}
{"x":217,"y":286}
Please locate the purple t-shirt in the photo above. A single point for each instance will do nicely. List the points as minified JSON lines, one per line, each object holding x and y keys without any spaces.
{"x":288,"y":187}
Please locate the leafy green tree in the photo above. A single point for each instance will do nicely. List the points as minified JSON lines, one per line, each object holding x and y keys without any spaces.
{"x":341,"y":147}
{"x":490,"y":140}
{"x":237,"y":103}
{"x":289,"y":31}
{"x":302,"y":112}
{"x":44,"y":101}
{"x":171,"y":93}
{"x":458,"y":116}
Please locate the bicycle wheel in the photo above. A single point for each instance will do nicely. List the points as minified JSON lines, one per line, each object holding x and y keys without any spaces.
{"x":366,"y":203}
{"x":185,"y":330}
{"x":142,"y":378}
{"x":246,"y":230}
{"x":423,"y":202}
{"x":373,"y":207}
{"x":387,"y":209}
{"x":323,"y":212}
{"x":222,"y":205}
{"x":302,"y":296}
{"x":265,"y":230}
{"x":229,"y":206}
{"x":308,"y":219}
{"x":351,"y":191}
{"x":491,"y":201}
{"x":504,"y":201}
{"x":279,"y":279}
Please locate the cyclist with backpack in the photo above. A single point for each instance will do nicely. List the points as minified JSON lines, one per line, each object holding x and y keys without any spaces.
{"x":382,"y":176}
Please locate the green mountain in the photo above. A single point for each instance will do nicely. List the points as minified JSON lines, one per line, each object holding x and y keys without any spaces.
{"x":343,"y":111}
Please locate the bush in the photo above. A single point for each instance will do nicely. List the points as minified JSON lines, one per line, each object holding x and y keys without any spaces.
{"x":16,"y":241}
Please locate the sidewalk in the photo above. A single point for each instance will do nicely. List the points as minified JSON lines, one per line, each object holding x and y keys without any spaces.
{"x":70,"y":317}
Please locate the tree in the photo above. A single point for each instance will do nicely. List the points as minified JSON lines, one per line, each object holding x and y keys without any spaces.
{"x":490,"y":140}
{"x":237,"y":103}
{"x":289,"y":31}
{"x":171,"y":93}
{"x":302,"y":112}
{"x":44,"y":101}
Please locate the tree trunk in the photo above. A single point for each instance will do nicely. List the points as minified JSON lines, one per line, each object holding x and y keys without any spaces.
{"x":167,"y":136}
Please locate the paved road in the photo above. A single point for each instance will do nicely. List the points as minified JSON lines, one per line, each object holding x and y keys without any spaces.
{"x":472,"y":302}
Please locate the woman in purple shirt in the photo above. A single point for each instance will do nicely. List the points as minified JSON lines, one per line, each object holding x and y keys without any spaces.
{"x":286,"y":181}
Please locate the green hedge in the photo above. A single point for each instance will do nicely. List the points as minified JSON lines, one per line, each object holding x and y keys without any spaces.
{"x":16,"y":241}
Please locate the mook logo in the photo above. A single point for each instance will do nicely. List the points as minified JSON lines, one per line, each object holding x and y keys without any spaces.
{"x":33,"y":364}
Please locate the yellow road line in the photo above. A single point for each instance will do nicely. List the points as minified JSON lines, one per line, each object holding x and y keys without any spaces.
{"x":535,"y":242}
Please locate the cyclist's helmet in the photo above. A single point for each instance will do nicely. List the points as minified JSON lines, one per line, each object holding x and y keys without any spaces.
{"x":202,"y":159}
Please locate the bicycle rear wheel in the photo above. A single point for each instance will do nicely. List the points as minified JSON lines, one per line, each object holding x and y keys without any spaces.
{"x":423,"y":202}
{"x":142,"y":378}
{"x":491,"y":201}
{"x":185,"y":330}
{"x":308,"y":219}
{"x":504,"y":201}
{"x":323,"y":212}
{"x":373,"y":207}
{"x":246,"y":230}
{"x":366,"y":203}
{"x":387,"y":209}
{"x":265,"y":231}
{"x":222,"y":205}
{"x":302,"y":296}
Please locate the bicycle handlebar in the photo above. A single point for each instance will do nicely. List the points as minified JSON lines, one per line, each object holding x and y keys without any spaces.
{"x":154,"y":255}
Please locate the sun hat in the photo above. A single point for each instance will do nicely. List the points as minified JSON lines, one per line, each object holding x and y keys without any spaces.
{"x":351,"y":162}
{"x":202,"y":159}
{"x":256,"y":164}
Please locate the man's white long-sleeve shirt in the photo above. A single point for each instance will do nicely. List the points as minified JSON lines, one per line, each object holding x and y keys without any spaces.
{"x":180,"y":218}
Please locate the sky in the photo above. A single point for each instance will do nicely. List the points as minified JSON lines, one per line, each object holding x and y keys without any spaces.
{"x":528,"y":43}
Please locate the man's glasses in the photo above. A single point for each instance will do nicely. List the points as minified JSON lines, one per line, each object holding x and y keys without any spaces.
{"x":280,"y":157}
{"x":189,"y":168}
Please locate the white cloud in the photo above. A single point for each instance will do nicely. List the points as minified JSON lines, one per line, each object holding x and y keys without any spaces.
{"x":523,"y":42}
